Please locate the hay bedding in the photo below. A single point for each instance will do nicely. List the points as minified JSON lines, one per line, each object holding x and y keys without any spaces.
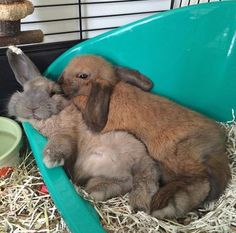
{"x":24,"y":208}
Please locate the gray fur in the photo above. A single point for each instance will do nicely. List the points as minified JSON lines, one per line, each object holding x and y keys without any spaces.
{"x":35,"y":101}
{"x":108,"y":164}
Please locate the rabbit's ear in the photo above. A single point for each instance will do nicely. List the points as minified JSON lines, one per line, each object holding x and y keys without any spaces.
{"x":134,"y":77}
{"x":97,"y":107}
{"x":22,"y":67}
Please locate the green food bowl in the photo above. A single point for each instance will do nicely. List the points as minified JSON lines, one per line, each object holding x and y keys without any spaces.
{"x":10,"y":138}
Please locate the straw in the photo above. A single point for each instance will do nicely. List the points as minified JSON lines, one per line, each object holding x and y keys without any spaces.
{"x":24,"y":209}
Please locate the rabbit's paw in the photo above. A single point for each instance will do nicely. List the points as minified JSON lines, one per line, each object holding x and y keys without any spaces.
{"x":53,"y":157}
{"x":139,"y":201}
{"x":96,"y":192}
{"x":167,"y":212}
{"x":97,"y":188}
{"x":98,"y":195}
{"x":102,"y":188}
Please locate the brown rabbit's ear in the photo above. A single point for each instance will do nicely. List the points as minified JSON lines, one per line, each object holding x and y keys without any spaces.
{"x":97,"y":107}
{"x":134,"y":77}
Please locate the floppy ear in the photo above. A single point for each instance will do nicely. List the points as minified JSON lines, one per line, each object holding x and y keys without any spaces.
{"x":22,"y":67}
{"x":97,"y":107}
{"x":134,"y":77}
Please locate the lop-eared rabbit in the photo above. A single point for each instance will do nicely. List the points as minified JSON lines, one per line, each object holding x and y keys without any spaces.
{"x":189,"y":146}
{"x":108,"y":165}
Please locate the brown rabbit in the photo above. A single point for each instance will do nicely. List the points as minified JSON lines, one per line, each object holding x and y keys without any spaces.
{"x":107,"y":164}
{"x":189,"y":146}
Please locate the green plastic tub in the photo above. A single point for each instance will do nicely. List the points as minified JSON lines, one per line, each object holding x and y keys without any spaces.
{"x":189,"y":54}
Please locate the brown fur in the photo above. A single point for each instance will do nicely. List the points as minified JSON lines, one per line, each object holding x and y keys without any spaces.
{"x":186,"y":198}
{"x":188,"y":145}
{"x":106,"y":164}
{"x":99,"y":99}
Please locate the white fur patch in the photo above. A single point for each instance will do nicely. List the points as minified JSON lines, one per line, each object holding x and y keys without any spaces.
{"x":15,"y":50}
{"x":50,"y":163}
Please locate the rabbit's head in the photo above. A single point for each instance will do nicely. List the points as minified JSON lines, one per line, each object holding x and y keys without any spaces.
{"x":95,"y":77}
{"x":40,"y":98}
{"x":83,"y":72}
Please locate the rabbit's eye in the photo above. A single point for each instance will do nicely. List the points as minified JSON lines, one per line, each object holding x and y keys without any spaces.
{"x":52,"y":93}
{"x":82,"y":75}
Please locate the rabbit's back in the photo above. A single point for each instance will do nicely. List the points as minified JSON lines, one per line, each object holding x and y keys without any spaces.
{"x":164,"y":125}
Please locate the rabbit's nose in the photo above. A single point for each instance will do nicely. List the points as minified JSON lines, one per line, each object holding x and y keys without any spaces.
{"x":32,"y":108}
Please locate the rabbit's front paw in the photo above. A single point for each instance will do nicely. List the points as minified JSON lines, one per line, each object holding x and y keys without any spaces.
{"x":139,"y":201}
{"x":102,"y":188}
{"x":96,"y":187}
{"x":53,"y":157}
{"x":96,"y":191}
{"x":98,"y":195}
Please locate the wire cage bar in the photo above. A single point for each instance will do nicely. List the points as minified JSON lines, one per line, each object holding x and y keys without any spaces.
{"x":63,"y":20}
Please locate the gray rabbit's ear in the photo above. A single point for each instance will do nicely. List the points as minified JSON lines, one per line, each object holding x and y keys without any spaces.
{"x":22,"y":67}
{"x":134,"y":77}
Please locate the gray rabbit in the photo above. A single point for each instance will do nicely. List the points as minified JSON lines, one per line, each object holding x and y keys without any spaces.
{"x":108,"y":165}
